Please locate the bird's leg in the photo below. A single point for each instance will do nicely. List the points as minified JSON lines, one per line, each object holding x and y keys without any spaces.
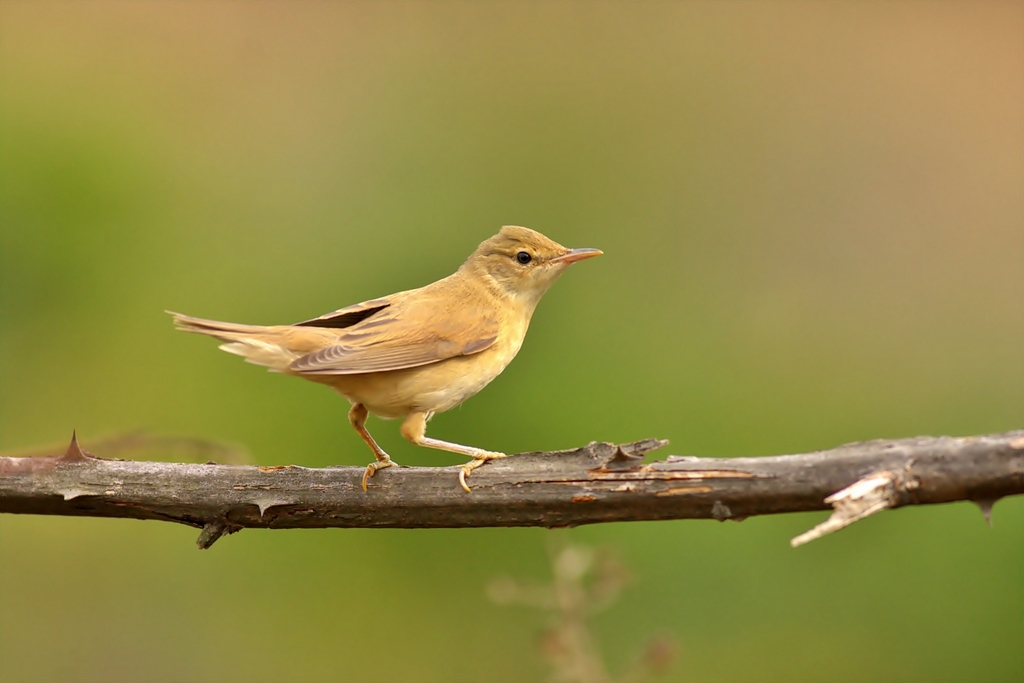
{"x":414,"y":428}
{"x":357,"y":416}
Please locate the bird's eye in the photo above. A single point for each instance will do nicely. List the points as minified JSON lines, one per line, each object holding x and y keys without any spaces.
{"x":523,"y":257}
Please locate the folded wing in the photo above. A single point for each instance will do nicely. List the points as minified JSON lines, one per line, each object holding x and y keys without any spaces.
{"x":398,"y":333}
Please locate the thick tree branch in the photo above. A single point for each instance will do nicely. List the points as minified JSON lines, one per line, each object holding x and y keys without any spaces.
{"x":597,"y":483}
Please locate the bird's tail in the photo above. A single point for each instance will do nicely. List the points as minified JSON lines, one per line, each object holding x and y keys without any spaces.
{"x":256,"y":343}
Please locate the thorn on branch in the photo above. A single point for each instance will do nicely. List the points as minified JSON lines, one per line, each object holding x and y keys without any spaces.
{"x":629,"y":456}
{"x":264,"y":503}
{"x":638,"y":449}
{"x":74,"y":453}
{"x":986,"y":508}
{"x":40,"y":463}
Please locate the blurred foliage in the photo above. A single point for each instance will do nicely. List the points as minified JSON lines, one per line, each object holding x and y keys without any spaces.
{"x":812,"y":219}
{"x":585,"y":581}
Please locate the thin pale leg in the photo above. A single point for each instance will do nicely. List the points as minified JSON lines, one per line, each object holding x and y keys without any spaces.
{"x":357,"y":416}
{"x":414,"y":428}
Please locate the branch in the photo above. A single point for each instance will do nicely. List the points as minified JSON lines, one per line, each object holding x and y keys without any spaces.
{"x":600,"y":482}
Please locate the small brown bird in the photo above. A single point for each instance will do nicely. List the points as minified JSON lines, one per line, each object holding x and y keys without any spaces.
{"x":418,"y":352}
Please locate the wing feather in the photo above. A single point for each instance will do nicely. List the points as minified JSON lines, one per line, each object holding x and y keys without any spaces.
{"x":405,"y":333}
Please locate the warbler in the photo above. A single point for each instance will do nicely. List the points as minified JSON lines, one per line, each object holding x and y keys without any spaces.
{"x":419,"y":352}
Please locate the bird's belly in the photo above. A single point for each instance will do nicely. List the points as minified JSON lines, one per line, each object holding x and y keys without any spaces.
{"x":428,"y":388}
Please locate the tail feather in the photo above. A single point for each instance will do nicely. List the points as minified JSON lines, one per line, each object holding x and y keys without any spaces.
{"x":215,"y":328}
{"x":257,"y":344}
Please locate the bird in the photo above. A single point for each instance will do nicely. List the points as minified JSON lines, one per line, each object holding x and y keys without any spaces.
{"x":418,"y":352}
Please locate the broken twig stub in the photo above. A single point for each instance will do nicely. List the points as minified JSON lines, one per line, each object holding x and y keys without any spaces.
{"x":857,"y":501}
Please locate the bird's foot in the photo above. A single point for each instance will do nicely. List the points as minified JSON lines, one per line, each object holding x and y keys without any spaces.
{"x":376,"y":465}
{"x":473,"y":464}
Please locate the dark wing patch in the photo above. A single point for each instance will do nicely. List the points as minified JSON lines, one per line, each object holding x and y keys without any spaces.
{"x":346,"y":317}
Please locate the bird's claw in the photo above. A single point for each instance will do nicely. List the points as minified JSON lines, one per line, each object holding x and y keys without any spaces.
{"x":477,"y":461}
{"x":374,"y":466}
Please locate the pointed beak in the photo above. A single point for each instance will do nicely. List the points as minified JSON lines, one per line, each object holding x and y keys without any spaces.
{"x":574,"y":255}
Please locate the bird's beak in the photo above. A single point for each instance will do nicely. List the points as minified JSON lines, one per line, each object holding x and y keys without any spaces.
{"x":574,"y":255}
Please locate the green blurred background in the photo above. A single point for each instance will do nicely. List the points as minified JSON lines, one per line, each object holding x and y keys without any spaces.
{"x":813,"y":221}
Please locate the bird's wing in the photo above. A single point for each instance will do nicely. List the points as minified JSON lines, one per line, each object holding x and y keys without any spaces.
{"x":402,"y":333}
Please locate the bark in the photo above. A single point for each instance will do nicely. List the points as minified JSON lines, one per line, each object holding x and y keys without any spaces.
{"x":600,"y":482}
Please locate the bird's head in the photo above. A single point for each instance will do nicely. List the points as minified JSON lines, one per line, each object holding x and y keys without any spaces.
{"x":523,"y":262}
